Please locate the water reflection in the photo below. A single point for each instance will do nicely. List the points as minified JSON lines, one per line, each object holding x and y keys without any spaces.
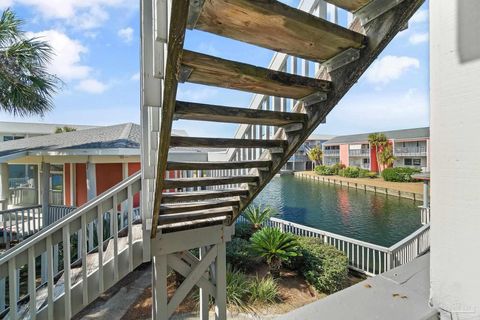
{"x":354,"y":213}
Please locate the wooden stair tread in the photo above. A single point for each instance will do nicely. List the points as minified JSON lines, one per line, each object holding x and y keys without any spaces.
{"x":196,"y":206}
{"x":207,"y":112}
{"x":209,"y":70}
{"x":279,"y":27}
{"x":208,"y":181}
{"x":175,"y":197}
{"x":188,"y":165}
{"x":349,"y":5}
{"x":179,"y":141}
{"x":194,"y":215}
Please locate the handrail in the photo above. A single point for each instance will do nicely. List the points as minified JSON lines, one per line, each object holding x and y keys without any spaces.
{"x":19,"y":209}
{"x":77,"y":213}
{"x":409,"y":238}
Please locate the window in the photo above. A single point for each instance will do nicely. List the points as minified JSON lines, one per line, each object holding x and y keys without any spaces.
{"x":9,"y":138}
{"x":403,"y":144}
{"x":417,"y":162}
{"x":407,"y":161}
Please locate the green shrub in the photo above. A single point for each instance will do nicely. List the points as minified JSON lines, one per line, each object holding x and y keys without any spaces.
{"x":337,"y":167}
{"x":239,"y":254}
{"x":243,"y":230}
{"x":399,"y":174}
{"x":324,"y":170}
{"x":264,"y":291}
{"x":323,"y":266}
{"x":258,"y":215}
{"x":237,"y":289}
{"x":274,"y":246}
{"x":371,"y":175}
{"x":349,"y":172}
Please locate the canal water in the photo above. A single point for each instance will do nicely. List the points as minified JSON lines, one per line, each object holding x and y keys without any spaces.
{"x":358,"y":214}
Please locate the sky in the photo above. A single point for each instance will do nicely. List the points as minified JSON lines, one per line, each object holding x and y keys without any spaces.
{"x":97,"y":43}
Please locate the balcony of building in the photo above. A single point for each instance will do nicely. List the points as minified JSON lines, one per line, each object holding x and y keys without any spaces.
{"x":410,"y":151}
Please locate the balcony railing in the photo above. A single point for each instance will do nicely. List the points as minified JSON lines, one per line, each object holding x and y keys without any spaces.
{"x":359,"y":153}
{"x":331,"y":153}
{"x":411,"y":151}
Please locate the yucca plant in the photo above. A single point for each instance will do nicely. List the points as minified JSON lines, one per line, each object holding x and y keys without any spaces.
{"x":258,"y":215}
{"x":274,"y":246}
{"x":237,"y":289}
{"x":264,"y":290}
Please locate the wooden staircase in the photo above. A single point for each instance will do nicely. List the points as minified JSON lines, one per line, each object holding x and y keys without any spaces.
{"x":221,"y":190}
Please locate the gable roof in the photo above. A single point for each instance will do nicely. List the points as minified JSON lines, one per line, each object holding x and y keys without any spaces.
{"x":404,"y":134}
{"x":36,"y":128}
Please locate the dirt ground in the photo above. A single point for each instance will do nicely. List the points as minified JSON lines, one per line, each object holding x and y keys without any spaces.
{"x":294,"y":293}
{"x":416,"y":187}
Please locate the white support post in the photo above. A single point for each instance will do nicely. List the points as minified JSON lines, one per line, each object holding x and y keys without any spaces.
{"x":221,"y":283}
{"x":160,"y":297}
{"x":4,"y":191}
{"x":44,"y":187}
{"x":204,"y":301}
{"x":2,"y":294}
{"x":91,"y":193}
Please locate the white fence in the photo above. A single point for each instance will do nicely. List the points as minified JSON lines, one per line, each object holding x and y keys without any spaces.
{"x":425,"y":214}
{"x":364,"y":257}
{"x":17,"y":224}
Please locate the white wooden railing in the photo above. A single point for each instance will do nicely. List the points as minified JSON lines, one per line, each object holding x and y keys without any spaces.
{"x":425,"y":214}
{"x":23,"y":196}
{"x":17,"y":224}
{"x":65,"y":287}
{"x":364,"y":257}
{"x":56,"y":197}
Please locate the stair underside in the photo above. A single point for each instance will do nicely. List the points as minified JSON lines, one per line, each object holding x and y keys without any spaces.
{"x":279,"y":27}
{"x":174,"y":165}
{"x":350,"y":5}
{"x":207,"y":112}
{"x":191,"y":216}
{"x":178,"y":141}
{"x":209,"y":70}
{"x":181,"y":197}
{"x":196,"y":206}
{"x":203,"y":182}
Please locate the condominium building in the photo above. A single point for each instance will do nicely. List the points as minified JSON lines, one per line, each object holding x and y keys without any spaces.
{"x":410,"y":148}
{"x":300,"y":161}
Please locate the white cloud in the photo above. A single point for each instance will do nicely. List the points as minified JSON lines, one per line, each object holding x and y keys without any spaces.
{"x":419,"y":17}
{"x":418,"y":38}
{"x":135,"y":77}
{"x":5,"y":4}
{"x":66,"y":63}
{"x":126,"y":34}
{"x":82,"y":14}
{"x":390,"y":68}
{"x":91,"y":86}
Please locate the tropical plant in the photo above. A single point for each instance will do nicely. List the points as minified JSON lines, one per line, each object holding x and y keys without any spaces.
{"x":386,"y":157}
{"x":26,"y":88}
{"x":258,"y":215}
{"x":377,"y":141}
{"x":64,"y":129}
{"x":325,"y":170}
{"x":274,"y":246}
{"x":237,"y":289}
{"x":240,"y":255}
{"x":399,"y":174}
{"x":315,"y":155}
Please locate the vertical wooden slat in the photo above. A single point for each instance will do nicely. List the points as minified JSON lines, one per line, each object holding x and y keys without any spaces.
{"x":12,"y":288}
{"x":115,"y":237}
{"x":50,"y":283}
{"x":66,"y":272}
{"x":100,"y":248}
{"x":84,"y":260}
{"x":32,"y":287}
{"x":130,"y":229}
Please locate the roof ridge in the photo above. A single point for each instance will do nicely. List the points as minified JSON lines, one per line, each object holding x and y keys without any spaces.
{"x":126,"y":131}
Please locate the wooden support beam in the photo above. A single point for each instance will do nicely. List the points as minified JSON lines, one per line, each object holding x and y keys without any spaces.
{"x":349,"y":5}
{"x":223,"y":73}
{"x":196,"y":206}
{"x":174,"y":197}
{"x":178,"y":24}
{"x":175,"y":165}
{"x":279,"y":27}
{"x":178,"y":141}
{"x":203,"y":182}
{"x":207,"y":112}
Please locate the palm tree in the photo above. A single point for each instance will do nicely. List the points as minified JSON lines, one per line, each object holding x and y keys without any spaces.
{"x":386,"y":156}
{"x":315,"y":155}
{"x":377,"y":141}
{"x":26,"y":88}
{"x":64,"y":129}
{"x":258,"y":215}
{"x":274,"y":246}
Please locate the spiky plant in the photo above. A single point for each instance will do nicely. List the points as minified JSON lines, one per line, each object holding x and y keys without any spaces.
{"x":274,"y":246}
{"x":258,"y":215}
{"x":378,"y":141}
{"x":315,"y":155}
{"x":26,"y":88}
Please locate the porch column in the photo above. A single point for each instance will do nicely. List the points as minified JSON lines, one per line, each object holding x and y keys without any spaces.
{"x":91,"y":193}
{"x":4,"y":192}
{"x":44,"y":187}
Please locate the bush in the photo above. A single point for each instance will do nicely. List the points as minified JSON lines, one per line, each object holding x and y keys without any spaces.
{"x":243,"y":230}
{"x":274,"y":246}
{"x":323,"y":266}
{"x":237,"y":289}
{"x":399,"y":174}
{"x":324,"y":170}
{"x":239,"y":254}
{"x":337,"y":167}
{"x":264,"y":291}
{"x":349,"y":172}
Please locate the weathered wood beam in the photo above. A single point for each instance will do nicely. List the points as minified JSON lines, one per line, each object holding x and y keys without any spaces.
{"x":223,"y":73}
{"x":175,"y":165}
{"x":176,"y":39}
{"x":349,"y":5}
{"x":165,"y":219}
{"x":208,"y":112}
{"x":196,"y":206}
{"x":203,"y":182}
{"x":178,"y":141}
{"x":279,"y":27}
{"x":174,"y":197}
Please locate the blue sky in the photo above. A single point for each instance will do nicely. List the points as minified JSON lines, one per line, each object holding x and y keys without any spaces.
{"x":97,"y":56}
